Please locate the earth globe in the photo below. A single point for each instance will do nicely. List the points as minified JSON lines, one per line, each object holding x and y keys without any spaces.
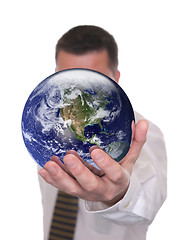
{"x":75,"y":109}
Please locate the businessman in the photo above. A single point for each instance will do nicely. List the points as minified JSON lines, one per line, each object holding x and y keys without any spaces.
{"x":123,"y":201}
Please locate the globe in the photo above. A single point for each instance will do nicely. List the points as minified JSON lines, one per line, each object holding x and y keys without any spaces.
{"x":75,"y":109}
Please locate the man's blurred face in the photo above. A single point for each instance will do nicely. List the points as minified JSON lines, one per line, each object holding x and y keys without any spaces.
{"x":95,"y":60}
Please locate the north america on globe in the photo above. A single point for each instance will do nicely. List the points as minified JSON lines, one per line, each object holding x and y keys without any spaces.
{"x":84,"y":110}
{"x":76,"y":109}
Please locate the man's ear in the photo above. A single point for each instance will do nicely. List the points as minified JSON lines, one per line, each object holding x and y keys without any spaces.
{"x":117,"y":76}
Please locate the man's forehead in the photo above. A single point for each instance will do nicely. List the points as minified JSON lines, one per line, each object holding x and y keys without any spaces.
{"x":96,"y":60}
{"x":94,"y":54}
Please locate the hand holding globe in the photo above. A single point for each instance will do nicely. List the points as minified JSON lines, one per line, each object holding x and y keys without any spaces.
{"x":74,"y":110}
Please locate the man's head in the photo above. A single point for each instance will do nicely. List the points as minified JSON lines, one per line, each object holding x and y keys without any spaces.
{"x":88,"y":47}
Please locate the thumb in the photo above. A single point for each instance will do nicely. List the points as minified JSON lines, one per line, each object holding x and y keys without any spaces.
{"x":139,"y":138}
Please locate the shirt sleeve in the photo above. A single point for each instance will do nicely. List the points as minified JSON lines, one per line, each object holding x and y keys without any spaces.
{"x":148,"y":186}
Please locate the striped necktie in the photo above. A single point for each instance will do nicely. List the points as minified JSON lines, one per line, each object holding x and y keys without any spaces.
{"x":64,"y":217}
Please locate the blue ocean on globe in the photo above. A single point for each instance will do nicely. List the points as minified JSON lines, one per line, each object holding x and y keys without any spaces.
{"x":76,"y":109}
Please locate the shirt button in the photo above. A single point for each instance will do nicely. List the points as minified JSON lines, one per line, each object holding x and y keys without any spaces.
{"x":126,"y":205}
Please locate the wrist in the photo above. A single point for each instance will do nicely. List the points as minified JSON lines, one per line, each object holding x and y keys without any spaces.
{"x":117,"y":198}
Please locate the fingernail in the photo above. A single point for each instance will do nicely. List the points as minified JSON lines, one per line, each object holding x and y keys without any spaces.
{"x":97,"y":155}
{"x":69,"y":162}
{"x":41,"y":174}
{"x":51,"y":169}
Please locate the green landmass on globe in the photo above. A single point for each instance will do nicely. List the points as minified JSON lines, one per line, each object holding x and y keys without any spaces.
{"x":84,"y":110}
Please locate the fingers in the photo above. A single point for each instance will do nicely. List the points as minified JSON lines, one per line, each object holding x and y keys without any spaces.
{"x":84,"y":183}
{"x":141,"y":129}
{"x":93,"y":169}
{"x":93,"y":148}
{"x":111,"y":168}
{"x":58,"y":161}
{"x":53,"y":174}
{"x":88,"y":180}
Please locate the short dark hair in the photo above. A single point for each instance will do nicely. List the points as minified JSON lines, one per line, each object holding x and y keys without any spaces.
{"x":86,"y":38}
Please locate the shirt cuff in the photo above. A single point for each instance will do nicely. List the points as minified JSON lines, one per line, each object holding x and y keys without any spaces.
{"x":125,"y":202}
{"x":133,"y":203}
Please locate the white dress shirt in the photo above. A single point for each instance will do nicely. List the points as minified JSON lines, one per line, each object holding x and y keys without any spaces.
{"x":130,"y":217}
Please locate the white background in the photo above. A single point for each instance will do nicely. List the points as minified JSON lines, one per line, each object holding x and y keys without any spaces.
{"x":29,"y":31}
